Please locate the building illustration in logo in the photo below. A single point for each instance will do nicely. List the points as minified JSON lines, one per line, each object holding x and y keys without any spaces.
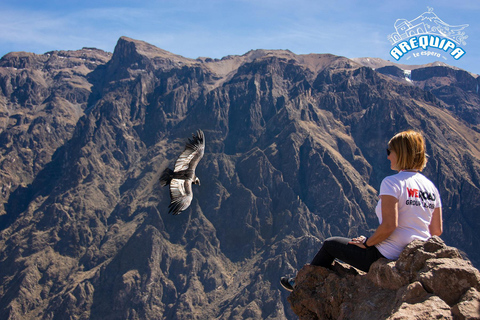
{"x":427,"y":23}
{"x":427,"y":31}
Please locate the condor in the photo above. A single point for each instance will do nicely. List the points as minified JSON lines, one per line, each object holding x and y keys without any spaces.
{"x":183,"y":175}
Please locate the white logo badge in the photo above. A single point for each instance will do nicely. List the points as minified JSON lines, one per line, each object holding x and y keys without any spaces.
{"x":427,"y":31}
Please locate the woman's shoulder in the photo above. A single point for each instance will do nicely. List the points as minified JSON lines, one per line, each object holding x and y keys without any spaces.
{"x":404,"y":177}
{"x":393,"y":177}
{"x":425,"y":180}
{"x":401,"y":178}
{"x":392,"y":182}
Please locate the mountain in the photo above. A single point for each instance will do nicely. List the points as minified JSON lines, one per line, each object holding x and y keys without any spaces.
{"x":457,"y":88}
{"x":295,"y":153}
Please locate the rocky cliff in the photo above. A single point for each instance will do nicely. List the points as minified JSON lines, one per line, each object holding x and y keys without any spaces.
{"x":41,"y":99}
{"x":295,"y":152}
{"x":429,"y":281}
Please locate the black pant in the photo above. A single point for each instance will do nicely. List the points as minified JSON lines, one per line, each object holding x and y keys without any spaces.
{"x":338,"y":247}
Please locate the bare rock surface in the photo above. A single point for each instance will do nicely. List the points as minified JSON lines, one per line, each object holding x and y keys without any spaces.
{"x":429,"y":281}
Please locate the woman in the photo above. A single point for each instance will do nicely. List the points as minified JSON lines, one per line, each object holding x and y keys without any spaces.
{"x":409,"y":208}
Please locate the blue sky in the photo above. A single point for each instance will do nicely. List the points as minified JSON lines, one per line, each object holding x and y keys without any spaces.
{"x":216,"y":28}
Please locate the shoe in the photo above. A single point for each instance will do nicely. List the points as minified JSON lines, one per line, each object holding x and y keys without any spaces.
{"x":287,"y":283}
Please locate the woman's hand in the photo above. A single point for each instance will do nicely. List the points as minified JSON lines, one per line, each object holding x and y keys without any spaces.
{"x":359,"y":241}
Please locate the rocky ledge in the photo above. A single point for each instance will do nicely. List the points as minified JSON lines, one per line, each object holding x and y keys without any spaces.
{"x":429,"y":281}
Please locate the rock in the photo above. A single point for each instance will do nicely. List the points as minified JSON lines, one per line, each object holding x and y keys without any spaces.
{"x":429,"y":281}
{"x":449,"y":279}
{"x":431,"y":308}
{"x":469,"y":307}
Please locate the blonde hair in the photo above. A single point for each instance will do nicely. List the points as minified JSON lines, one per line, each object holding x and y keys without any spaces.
{"x":410,"y":149}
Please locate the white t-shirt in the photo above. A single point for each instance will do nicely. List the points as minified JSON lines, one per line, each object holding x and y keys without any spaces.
{"x":417,"y":198}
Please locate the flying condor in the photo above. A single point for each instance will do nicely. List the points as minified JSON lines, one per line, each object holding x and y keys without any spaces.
{"x":183,"y":175}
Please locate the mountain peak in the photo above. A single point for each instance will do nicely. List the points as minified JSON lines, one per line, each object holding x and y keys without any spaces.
{"x":126,"y":45}
{"x":376,"y":63}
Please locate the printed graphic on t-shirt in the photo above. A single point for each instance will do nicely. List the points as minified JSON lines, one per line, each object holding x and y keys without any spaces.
{"x":420,"y":198}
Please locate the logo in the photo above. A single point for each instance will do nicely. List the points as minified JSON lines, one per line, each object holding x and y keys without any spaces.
{"x":420,"y":194}
{"x":420,"y":198}
{"x":430,"y":33}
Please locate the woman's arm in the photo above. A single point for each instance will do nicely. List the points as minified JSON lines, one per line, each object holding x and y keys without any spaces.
{"x":389,"y":222}
{"x":436,"y":225}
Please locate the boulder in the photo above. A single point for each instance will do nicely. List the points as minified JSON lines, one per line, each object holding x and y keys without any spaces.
{"x":430,"y":280}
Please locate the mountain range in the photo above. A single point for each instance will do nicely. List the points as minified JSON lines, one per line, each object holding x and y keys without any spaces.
{"x":295,"y":153}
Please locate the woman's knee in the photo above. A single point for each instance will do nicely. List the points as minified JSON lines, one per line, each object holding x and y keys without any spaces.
{"x":336,"y":241}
